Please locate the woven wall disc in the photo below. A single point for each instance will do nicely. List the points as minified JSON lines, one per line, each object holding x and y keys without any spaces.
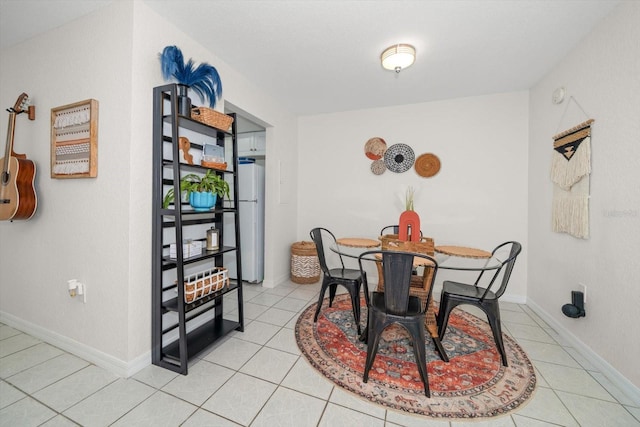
{"x":399,"y":158}
{"x":375,"y":148}
{"x":427,"y":165}
{"x":378,"y":167}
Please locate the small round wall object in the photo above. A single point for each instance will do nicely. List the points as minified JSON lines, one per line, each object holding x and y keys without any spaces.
{"x":558,"y":95}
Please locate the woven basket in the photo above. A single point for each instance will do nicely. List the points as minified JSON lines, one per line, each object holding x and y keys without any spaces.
{"x":390,"y":242}
{"x":305,"y":267}
{"x":206,"y":282}
{"x":211,"y":117}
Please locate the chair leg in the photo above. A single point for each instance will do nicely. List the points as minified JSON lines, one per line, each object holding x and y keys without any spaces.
{"x":443,"y":314}
{"x":416,"y":329}
{"x":440,"y":349}
{"x":373,"y":340}
{"x":323,"y":289}
{"x":493,"y":315}
{"x":355,"y":305}
{"x":332,"y":293}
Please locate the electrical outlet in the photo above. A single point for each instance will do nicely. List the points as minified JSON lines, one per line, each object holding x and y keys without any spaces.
{"x":583,"y":288}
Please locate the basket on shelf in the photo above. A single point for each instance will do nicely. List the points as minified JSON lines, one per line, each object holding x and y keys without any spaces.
{"x":206,"y":282}
{"x":211,"y":117}
{"x":305,"y":266}
{"x":214,"y":165}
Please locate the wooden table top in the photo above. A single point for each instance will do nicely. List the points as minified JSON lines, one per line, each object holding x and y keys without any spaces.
{"x":463,"y":251}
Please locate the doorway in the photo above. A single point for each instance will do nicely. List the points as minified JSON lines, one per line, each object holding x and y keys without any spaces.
{"x":251,"y":198}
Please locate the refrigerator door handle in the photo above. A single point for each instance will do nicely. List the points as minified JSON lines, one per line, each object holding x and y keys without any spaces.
{"x":253,"y":200}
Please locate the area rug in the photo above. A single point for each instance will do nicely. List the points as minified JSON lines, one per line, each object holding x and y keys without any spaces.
{"x":473,"y":385}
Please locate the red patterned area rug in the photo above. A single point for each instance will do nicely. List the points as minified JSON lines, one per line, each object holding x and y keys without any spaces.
{"x":473,"y":385}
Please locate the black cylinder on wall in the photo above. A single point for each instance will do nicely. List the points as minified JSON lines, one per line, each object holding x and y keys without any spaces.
{"x":576,"y":308}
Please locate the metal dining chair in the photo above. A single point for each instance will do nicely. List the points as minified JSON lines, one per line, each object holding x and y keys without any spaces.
{"x":396,"y":305}
{"x":455,"y":293}
{"x":351,"y":279}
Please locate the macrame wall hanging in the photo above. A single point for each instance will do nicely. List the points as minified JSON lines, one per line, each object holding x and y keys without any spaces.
{"x":74,"y":140}
{"x":570,"y":169}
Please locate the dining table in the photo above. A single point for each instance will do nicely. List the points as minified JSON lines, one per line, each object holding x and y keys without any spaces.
{"x":448,"y":257}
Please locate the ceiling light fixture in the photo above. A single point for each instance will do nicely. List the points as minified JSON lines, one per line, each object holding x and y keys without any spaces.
{"x":398,"y":57}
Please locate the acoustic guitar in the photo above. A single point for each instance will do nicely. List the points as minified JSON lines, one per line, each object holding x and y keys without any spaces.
{"x":17,"y":191}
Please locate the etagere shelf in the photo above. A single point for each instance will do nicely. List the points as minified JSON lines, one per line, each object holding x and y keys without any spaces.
{"x":181,"y":329}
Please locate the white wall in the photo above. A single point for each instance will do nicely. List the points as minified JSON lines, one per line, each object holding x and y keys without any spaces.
{"x":478,"y":198}
{"x":99,"y":230}
{"x":602,"y":74}
{"x":81,"y":228}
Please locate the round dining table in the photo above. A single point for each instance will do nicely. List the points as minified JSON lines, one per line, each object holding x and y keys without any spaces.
{"x":448,"y":257}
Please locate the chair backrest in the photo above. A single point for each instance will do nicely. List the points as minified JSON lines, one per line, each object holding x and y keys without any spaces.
{"x":397,"y":270}
{"x":505,"y":269}
{"x":393,"y":229}
{"x":320,"y":236}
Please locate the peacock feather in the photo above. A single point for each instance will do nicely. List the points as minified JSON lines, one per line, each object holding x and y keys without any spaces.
{"x":203,"y":79}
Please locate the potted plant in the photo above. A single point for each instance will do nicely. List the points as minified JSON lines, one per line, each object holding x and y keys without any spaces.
{"x":201,"y":190}
{"x":203,"y":79}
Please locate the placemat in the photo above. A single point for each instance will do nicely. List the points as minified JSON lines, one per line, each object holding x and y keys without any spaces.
{"x":463,"y":251}
{"x":357,"y":242}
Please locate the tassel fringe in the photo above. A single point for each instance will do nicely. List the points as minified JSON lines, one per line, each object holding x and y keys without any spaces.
{"x":71,"y":166}
{"x":570,"y":214}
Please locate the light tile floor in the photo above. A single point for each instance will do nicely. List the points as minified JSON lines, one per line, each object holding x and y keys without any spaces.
{"x":259,"y":378}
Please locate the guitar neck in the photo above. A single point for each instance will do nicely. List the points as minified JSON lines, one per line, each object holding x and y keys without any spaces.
{"x":8,"y":149}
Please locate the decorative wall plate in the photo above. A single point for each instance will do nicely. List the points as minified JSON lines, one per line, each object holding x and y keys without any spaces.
{"x":378,"y":167}
{"x":399,"y":158}
{"x":427,"y":165}
{"x":375,"y":148}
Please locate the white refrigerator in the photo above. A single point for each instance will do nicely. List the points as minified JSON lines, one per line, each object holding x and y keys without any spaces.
{"x":251,"y":215}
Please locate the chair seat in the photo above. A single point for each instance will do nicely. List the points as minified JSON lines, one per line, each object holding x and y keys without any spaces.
{"x":344,"y":273}
{"x":465,"y":290}
{"x":377,"y":303}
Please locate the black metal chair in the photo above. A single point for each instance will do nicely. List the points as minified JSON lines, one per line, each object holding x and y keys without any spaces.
{"x":455,"y":293}
{"x":351,"y":279}
{"x":393,"y":229}
{"x":395,"y":305}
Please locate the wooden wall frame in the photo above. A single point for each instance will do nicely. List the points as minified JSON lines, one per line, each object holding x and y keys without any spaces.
{"x":74,"y":140}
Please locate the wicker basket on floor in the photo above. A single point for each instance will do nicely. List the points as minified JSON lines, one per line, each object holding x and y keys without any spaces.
{"x":212,"y":118}
{"x":305,"y":267}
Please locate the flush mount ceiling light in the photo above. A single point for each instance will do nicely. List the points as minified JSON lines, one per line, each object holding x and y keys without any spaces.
{"x":398,"y":57}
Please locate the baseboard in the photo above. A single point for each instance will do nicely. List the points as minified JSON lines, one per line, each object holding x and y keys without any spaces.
{"x":619,"y":380}
{"x":112,"y":364}
{"x":516,"y":299}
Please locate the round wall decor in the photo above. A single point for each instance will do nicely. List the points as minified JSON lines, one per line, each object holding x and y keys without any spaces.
{"x":375,"y":148}
{"x":399,"y":158}
{"x":378,"y":167}
{"x":427,"y":165}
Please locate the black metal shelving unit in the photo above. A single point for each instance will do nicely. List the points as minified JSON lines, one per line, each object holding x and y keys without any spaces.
{"x":181,"y":330}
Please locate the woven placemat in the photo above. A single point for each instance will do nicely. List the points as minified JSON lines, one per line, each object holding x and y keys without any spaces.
{"x":462,"y":251}
{"x":427,"y":165}
{"x":357,"y":242}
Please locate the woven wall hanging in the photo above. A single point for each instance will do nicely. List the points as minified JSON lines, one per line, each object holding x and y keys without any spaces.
{"x":374,"y":148}
{"x":570,"y":170}
{"x":399,"y":158}
{"x":427,"y":165}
